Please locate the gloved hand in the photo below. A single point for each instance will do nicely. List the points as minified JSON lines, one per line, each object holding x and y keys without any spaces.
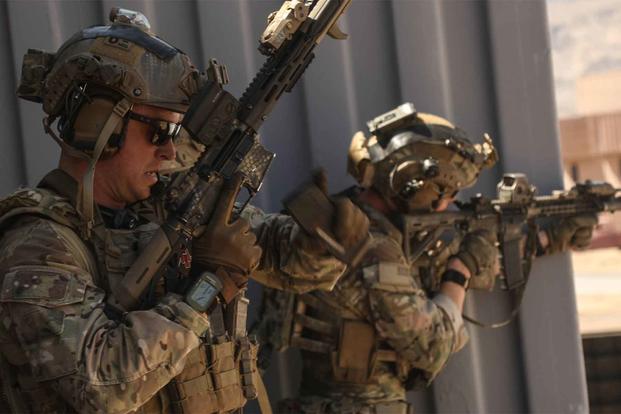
{"x":478,"y":252}
{"x":350,"y":225}
{"x":570,"y":233}
{"x":225,"y":244}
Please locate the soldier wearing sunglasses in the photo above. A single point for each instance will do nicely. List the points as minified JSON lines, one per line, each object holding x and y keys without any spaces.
{"x":114,"y":97}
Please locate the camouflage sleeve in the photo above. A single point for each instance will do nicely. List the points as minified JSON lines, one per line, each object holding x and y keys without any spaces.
{"x":54,"y":313}
{"x":423,"y":331}
{"x":457,"y":321}
{"x":286,"y":263}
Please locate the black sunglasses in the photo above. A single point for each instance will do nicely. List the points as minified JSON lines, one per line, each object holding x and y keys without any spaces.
{"x":163,"y":131}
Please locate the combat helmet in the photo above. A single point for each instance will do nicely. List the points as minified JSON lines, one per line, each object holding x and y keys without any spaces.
{"x":91,"y":83}
{"x":416,"y":159}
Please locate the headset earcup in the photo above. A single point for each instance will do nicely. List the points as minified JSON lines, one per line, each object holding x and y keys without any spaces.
{"x":359,"y":161}
{"x":89,"y":122}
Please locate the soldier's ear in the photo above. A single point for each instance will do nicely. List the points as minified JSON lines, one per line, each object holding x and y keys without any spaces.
{"x":359,"y":163}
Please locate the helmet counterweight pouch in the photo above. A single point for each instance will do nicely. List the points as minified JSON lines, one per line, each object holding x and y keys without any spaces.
{"x":35,"y":67}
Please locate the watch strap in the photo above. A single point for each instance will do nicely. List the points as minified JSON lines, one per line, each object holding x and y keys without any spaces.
{"x":455,"y":276}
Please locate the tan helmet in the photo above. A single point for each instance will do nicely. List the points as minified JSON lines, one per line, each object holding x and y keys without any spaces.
{"x":90,"y":84}
{"x":97,"y":68}
{"x":416,"y":159}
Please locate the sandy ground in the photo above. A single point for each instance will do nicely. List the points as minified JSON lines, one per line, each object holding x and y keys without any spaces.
{"x":598,"y":289}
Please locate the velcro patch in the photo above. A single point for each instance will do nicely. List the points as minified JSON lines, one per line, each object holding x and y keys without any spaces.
{"x":389,"y":276}
{"x":42,"y":285}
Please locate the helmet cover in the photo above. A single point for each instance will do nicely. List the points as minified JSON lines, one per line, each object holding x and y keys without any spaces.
{"x":122,"y":60}
{"x":417,"y":159}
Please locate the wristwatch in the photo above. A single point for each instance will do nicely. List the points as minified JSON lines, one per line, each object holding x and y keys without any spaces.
{"x":203,"y":291}
{"x":455,"y":276}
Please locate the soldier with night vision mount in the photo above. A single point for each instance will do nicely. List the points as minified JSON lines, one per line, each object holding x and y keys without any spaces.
{"x":394,"y":321}
{"x":118,"y":94}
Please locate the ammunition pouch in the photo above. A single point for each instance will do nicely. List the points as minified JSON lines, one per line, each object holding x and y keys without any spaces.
{"x":225,"y":376}
{"x":354,"y":358}
{"x":220,"y":375}
{"x":217,"y":378}
{"x":350,"y":342}
{"x":248,"y":351}
{"x":192,"y":391}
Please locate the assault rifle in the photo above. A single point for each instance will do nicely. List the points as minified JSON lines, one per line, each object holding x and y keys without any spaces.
{"x":513,"y":217}
{"x":228,"y":129}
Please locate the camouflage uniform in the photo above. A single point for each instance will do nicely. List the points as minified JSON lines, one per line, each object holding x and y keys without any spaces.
{"x":65,"y":352}
{"x":61,"y":348}
{"x":384,"y":328}
{"x":376,"y":334}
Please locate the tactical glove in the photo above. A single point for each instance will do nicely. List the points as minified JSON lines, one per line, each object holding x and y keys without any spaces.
{"x":225,"y":244}
{"x":349,"y":225}
{"x":570,"y":232}
{"x":478,"y":252}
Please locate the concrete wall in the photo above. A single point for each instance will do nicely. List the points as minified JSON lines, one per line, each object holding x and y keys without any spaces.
{"x":483,"y":64}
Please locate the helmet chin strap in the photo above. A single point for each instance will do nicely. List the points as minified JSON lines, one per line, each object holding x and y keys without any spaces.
{"x":85,"y":200}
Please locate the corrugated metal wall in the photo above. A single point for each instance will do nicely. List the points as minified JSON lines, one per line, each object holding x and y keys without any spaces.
{"x":483,"y":64}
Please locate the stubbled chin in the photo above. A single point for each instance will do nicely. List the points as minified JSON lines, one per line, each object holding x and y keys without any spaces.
{"x":142,"y":189}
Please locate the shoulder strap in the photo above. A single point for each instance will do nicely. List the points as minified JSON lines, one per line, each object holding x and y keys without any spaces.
{"x":39,"y":202}
{"x":45,"y":203}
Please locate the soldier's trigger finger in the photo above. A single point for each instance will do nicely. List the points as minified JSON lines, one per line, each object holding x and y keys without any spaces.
{"x":226,"y":200}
